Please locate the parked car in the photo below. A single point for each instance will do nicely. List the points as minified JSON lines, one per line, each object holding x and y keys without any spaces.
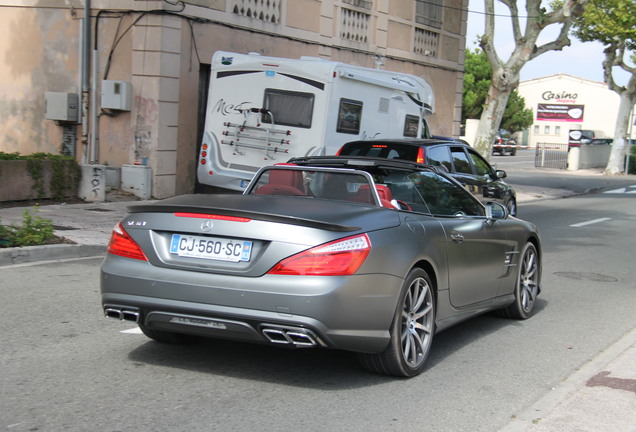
{"x":318,"y":254}
{"x":504,"y":143}
{"x":577,"y":137}
{"x":456,"y":156}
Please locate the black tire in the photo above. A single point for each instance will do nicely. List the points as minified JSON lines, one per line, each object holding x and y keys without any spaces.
{"x":527,"y":285}
{"x":168,"y":337}
{"x":411,"y":332}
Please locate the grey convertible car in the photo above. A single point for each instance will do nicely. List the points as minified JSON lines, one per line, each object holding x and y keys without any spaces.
{"x":368,"y":255}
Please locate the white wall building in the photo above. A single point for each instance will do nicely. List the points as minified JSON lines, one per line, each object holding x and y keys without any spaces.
{"x":561,"y":103}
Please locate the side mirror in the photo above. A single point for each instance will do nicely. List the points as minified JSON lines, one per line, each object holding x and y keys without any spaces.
{"x":495,"y":211}
{"x":501,"y":174}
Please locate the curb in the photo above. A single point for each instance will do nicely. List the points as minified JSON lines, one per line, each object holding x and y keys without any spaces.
{"x":29,"y":254}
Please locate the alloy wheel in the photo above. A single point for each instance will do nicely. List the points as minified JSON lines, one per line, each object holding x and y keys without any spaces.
{"x":417,"y":322}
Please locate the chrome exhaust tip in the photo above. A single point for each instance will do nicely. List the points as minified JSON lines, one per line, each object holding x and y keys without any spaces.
{"x":130,"y":316}
{"x":290,"y":336}
{"x":122,"y":314}
{"x":113,"y":313}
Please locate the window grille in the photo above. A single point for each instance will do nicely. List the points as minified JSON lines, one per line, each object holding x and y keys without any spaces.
{"x":425,"y":42}
{"x":262,"y":10}
{"x":354,"y":25}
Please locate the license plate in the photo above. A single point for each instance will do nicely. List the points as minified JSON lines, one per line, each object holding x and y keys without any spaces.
{"x":212,"y":248}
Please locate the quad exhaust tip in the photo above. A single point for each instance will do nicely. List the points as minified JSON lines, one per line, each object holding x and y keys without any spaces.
{"x":122,"y":314}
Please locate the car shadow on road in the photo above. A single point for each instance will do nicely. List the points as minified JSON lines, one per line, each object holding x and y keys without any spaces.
{"x":321,"y":369}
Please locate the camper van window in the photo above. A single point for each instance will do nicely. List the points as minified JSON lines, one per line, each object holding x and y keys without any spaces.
{"x":349,"y":116}
{"x":288,"y":108}
{"x":411,"y":124}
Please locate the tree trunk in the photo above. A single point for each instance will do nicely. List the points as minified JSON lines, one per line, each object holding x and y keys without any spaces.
{"x":616,"y":163}
{"x":620,"y":146}
{"x":494,"y":108}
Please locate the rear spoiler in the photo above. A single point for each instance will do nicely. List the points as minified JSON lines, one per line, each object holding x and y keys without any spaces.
{"x":161,"y":207}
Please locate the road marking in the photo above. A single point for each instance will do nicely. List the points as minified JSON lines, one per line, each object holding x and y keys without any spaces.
{"x":595,"y":221}
{"x":628,"y":189}
{"x":135,"y":330}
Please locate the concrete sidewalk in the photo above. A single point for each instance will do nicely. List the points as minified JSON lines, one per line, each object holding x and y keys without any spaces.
{"x":87,"y":225}
{"x":599,"y":397}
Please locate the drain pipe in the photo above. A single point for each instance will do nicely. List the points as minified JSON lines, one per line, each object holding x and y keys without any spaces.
{"x":86,"y":56}
{"x":94,"y":135}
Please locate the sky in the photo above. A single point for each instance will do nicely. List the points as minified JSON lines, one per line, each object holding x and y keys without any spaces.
{"x":583,"y":60}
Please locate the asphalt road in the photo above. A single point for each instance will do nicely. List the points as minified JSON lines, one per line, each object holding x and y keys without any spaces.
{"x":66,"y":367}
{"x":521,"y":172}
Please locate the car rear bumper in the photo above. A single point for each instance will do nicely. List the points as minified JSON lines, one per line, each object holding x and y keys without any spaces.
{"x":351,"y":313}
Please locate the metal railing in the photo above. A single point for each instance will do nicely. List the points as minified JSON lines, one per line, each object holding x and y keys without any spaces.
{"x":550,"y":155}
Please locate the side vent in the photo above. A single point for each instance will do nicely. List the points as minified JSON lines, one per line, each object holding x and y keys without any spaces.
{"x":384,"y":106}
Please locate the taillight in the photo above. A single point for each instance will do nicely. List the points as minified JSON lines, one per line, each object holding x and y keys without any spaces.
{"x":421,"y":157}
{"x":123,"y":245}
{"x":338,"y":258}
{"x":338,"y":152}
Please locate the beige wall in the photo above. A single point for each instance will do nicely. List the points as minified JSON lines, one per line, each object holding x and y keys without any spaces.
{"x":38,"y":53}
{"x":162,"y":55}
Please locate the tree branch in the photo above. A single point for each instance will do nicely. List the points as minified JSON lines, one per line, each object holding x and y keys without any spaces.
{"x":514,"y":13}
{"x":558,"y":44}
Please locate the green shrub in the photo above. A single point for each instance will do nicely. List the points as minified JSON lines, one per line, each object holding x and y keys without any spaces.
{"x":66,"y":171}
{"x":33,"y":231}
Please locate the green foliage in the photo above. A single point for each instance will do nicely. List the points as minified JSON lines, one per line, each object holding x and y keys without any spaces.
{"x":34,"y":230}
{"x":516,"y":116}
{"x":477,"y":79}
{"x":10,"y":156}
{"x":476,"y":84}
{"x":608,"y":21}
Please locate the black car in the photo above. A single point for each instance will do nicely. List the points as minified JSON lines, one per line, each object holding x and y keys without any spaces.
{"x":457,"y":157}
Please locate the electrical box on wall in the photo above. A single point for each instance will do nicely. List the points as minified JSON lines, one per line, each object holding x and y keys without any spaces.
{"x":61,"y":106}
{"x":137,"y":179}
{"x":116,"y":95}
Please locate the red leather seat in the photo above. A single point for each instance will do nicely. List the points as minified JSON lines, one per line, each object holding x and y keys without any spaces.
{"x":364,"y":195}
{"x":283,"y":182}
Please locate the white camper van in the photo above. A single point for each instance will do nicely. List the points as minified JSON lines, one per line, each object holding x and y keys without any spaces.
{"x":265,"y":110}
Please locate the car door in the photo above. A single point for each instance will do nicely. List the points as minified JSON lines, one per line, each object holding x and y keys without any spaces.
{"x":486,"y":179}
{"x":476,"y":175}
{"x":476,"y":247}
{"x":463,"y":170}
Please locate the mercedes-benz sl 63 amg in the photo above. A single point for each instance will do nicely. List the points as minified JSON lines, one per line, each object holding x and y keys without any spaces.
{"x":367,"y":255}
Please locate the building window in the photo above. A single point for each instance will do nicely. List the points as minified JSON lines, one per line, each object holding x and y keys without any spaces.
{"x":429,"y":12}
{"x":363,"y":4}
{"x":546,"y":130}
{"x":557,"y":130}
{"x":536,"y":130}
{"x":261,"y":10}
{"x":425,"y":42}
{"x":354,"y":26}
